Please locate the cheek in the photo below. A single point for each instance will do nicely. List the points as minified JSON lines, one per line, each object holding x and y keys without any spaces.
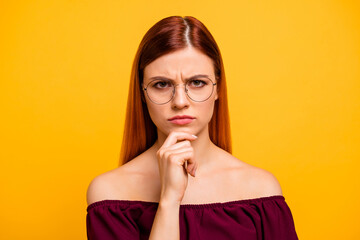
{"x":206,"y":110}
{"x":154,"y":112}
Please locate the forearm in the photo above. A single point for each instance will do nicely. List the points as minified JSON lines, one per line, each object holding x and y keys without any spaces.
{"x":166,"y":222}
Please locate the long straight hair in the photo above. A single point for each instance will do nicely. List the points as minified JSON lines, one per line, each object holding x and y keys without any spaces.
{"x":168,"y":35}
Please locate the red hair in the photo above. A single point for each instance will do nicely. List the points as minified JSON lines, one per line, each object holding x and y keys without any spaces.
{"x":168,"y":35}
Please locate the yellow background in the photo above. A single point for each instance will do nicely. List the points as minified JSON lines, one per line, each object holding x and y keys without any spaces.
{"x":293,"y":78}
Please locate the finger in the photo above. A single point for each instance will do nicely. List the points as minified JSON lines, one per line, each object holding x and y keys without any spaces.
{"x":182,"y":144}
{"x":171,"y":153}
{"x":163,"y":151}
{"x":187,"y":160}
{"x":174,"y":137}
{"x":181,"y":157}
{"x":189,"y":164}
{"x":192,"y":169}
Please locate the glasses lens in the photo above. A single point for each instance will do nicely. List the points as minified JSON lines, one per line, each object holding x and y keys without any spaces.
{"x":161,"y":91}
{"x":199,"y":89}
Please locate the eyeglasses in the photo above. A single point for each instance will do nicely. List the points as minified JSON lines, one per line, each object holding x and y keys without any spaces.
{"x":162,"y":91}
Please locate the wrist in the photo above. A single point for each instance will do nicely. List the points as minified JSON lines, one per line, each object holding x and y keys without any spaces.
{"x":169,"y":203}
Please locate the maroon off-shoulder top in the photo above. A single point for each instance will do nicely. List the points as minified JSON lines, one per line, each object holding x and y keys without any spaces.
{"x":265,"y":218}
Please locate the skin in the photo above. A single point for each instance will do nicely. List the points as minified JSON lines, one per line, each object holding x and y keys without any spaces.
{"x":171,"y":155}
{"x":176,"y":144}
{"x":160,"y":173}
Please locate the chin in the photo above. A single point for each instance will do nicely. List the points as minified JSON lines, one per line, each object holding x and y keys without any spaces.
{"x":177,"y":128}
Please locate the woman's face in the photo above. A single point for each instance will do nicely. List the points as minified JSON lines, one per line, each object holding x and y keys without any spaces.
{"x":177,"y":67}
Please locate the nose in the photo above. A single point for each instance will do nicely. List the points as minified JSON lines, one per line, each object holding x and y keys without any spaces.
{"x":180,"y":99}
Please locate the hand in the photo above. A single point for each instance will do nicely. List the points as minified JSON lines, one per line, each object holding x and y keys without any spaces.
{"x":172,"y":158}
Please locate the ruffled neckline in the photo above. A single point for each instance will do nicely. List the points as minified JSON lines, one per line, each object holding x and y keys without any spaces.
{"x":108,"y":202}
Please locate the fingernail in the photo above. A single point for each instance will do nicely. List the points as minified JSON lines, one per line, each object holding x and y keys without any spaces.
{"x":194,"y":136}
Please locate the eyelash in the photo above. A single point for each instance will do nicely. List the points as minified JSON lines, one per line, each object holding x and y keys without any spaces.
{"x":155,"y":85}
{"x":197,"y":80}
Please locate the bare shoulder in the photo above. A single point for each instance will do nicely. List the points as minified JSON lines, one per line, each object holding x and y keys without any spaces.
{"x":127,"y":182}
{"x":262,"y":182}
{"x":251,"y":181}
{"x":103,"y":186}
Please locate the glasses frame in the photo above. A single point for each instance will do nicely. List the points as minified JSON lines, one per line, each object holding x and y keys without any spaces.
{"x":174,"y":88}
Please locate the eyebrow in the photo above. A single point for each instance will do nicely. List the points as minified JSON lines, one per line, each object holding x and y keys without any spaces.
{"x":186,"y":79}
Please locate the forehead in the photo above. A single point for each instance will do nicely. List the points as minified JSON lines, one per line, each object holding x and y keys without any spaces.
{"x":181,"y":64}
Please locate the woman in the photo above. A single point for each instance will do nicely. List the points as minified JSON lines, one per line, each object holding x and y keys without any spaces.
{"x":177,"y":125}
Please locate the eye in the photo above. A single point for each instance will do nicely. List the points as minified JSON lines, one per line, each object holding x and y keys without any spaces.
{"x":161,"y":84}
{"x":197,"y":83}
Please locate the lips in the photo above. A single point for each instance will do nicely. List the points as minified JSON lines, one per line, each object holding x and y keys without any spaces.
{"x":181,"y":117}
{"x":181,"y":120}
